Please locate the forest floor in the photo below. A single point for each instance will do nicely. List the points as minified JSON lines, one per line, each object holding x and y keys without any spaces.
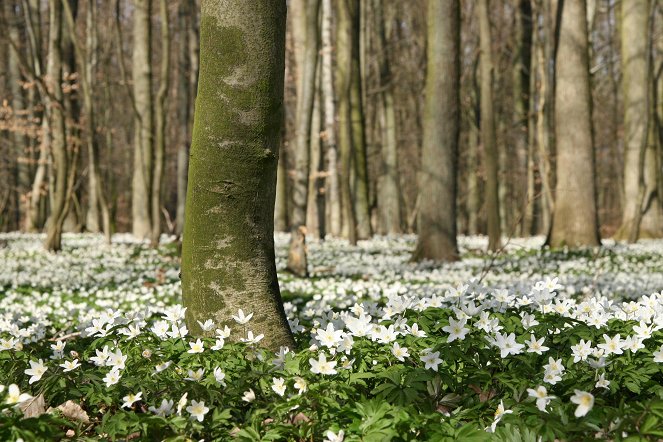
{"x":524,"y":344}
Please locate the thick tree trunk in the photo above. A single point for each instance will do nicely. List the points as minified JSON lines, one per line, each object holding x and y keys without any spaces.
{"x":488,"y":136}
{"x":297,"y":262}
{"x":343,"y":81}
{"x":228,"y":247}
{"x":640,"y":178}
{"x":389,"y":198}
{"x":437,"y":180}
{"x":575,"y":219}
{"x":141,"y":185}
{"x":332,"y":191}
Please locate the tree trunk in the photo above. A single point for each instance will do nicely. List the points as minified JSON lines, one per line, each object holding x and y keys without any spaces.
{"x":228,"y":247}
{"x":360,"y":169}
{"x":332,"y":191}
{"x":390,"y":221}
{"x":315,"y":207}
{"x":437,"y":180}
{"x":488,"y":136}
{"x":141,"y":185}
{"x":297,"y":262}
{"x":575,"y":219}
{"x":343,"y":75}
{"x":58,"y":144}
{"x":161,"y":113}
{"x":638,"y":178}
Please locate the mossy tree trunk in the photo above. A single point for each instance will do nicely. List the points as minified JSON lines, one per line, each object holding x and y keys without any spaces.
{"x":437,"y":180}
{"x":575,"y":218}
{"x":144,"y":123}
{"x":228,"y":246}
{"x":488,"y":135}
{"x":297,"y":262}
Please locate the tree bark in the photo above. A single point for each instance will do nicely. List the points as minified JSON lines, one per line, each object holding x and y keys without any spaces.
{"x":161,"y":113}
{"x":343,"y":83}
{"x":488,"y":136}
{"x":437,"y":180}
{"x":389,"y":198}
{"x":228,"y":247}
{"x":58,"y":143}
{"x":332,"y":191}
{"x":640,"y":178}
{"x":575,"y":218}
{"x":141,"y":185}
{"x":297,"y":262}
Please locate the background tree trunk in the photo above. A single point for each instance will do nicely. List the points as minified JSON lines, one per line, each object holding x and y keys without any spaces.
{"x":141,"y":187}
{"x":575,"y":219}
{"x":437,"y":181}
{"x":297,"y":262}
{"x":488,"y":135}
{"x":228,"y":247}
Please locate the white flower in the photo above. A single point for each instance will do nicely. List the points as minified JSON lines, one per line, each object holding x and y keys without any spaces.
{"x":218,"y":345}
{"x":611,"y":345}
{"x":117,"y":359}
{"x":161,"y":367}
{"x":581,"y":350}
{"x":507,"y":344}
{"x":240,"y":318}
{"x":536,"y":346}
{"x":431,"y":359}
{"x":499,"y":413}
{"x":219,"y":376}
{"x":165,"y":409}
{"x":602,"y":382}
{"x":181,"y":403}
{"x":70,"y":365}
{"x":333,"y":437}
{"x":414,"y":331}
{"x":198,"y":410}
{"x":456,"y":329}
{"x":551,"y":377}
{"x":58,"y":346}
{"x":207,"y":325}
{"x":196,"y":347}
{"x":131,"y":398}
{"x":101,"y":357}
{"x":14,"y":395}
{"x":301,"y":385}
{"x":36,"y":371}
{"x":554,"y":366}
{"x":177,"y":332}
{"x":279,"y":386}
{"x":584,"y":400}
{"x":249,"y":396}
{"x":329,"y":337}
{"x":113,"y":377}
{"x":400,"y":352}
{"x":322,"y":366}
{"x":195,"y":375}
{"x":250,"y":339}
{"x":541,"y":395}
{"x":658,"y":354}
{"x":223,"y":334}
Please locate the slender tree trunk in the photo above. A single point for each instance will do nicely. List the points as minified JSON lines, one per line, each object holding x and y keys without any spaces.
{"x":488,"y":136}
{"x":58,"y":144}
{"x":575,"y":219}
{"x":437,"y":180}
{"x":141,"y":186}
{"x":343,"y":75}
{"x":315,"y":207}
{"x":361,"y":199}
{"x":297,"y":262}
{"x":332,"y":191}
{"x":161,"y":111}
{"x":532,"y":200}
{"x":639,"y":177}
{"x":228,"y":248}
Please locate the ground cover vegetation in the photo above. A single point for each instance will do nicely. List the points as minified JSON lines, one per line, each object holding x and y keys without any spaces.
{"x":527,"y":344}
